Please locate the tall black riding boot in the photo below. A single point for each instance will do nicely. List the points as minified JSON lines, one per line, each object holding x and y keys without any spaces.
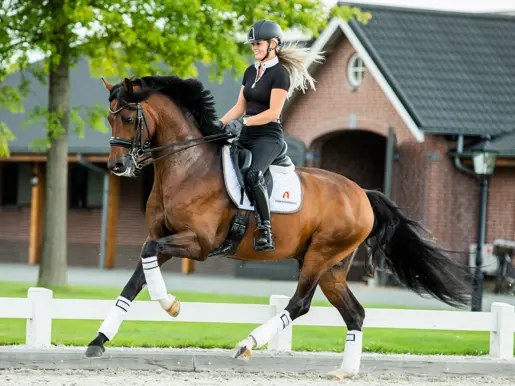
{"x":265,"y":241}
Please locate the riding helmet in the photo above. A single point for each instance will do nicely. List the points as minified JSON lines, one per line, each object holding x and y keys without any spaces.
{"x":264,"y":30}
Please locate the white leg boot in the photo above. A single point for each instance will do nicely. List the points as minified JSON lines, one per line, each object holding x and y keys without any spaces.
{"x":115,"y":317}
{"x":351,"y":356}
{"x":261,"y":335}
{"x":157,"y":288}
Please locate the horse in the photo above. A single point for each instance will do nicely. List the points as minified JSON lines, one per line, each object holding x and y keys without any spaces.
{"x":169,"y":122}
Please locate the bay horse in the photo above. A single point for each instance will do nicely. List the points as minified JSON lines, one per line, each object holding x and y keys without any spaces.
{"x":169,"y":121}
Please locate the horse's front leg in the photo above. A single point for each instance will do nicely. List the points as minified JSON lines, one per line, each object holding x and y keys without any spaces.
{"x":109,"y":327}
{"x":153,"y":255}
{"x":183,"y":244}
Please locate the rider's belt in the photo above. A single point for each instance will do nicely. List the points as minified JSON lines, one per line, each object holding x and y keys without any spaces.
{"x":274,"y":121}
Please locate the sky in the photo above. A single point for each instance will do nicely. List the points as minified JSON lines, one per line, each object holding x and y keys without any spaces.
{"x":444,"y":5}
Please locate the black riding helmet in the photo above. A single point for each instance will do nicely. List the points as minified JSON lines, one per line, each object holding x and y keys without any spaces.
{"x":264,"y":30}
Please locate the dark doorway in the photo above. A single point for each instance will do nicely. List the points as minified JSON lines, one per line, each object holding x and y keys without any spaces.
{"x":360,"y":156}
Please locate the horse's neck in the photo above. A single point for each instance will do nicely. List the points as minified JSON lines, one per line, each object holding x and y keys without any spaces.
{"x":180,"y":170}
{"x":189,"y":167}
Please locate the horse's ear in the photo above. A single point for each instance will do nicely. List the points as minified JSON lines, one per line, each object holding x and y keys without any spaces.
{"x":127,"y":85}
{"x":108,"y":85}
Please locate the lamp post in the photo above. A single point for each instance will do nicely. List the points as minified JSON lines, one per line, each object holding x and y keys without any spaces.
{"x":484,"y":164}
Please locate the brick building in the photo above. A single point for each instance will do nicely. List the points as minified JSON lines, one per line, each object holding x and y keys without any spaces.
{"x":433,"y":78}
{"x":415,"y":82}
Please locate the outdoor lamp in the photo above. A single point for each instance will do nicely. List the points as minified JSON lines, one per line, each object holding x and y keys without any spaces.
{"x":484,"y":161}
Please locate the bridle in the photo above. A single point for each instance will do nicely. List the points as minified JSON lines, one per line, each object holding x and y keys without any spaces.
{"x":138,"y":148}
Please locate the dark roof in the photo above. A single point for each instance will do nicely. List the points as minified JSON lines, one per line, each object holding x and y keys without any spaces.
{"x":504,"y":144}
{"x":86,"y":90}
{"x":454,"y":72}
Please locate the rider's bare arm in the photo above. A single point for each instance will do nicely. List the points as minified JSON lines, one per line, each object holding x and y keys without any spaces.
{"x":238,"y":109}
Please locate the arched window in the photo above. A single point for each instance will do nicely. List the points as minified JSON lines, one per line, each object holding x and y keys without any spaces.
{"x":355,"y":70}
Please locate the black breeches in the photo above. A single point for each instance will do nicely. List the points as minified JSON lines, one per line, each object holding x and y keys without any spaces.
{"x":264,"y":152}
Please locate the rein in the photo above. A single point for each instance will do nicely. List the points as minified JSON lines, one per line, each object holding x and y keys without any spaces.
{"x":144,"y":148}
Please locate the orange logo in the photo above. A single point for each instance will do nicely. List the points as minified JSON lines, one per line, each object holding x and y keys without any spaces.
{"x":286,"y":195}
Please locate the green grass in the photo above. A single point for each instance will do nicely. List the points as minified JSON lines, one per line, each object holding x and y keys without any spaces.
{"x":207,"y":335}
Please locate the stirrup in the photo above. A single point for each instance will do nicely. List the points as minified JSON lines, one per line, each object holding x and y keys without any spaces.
{"x":262,"y":227}
{"x":265,"y":242}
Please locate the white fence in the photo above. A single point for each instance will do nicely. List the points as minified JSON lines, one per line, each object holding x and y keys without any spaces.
{"x":39,"y":308}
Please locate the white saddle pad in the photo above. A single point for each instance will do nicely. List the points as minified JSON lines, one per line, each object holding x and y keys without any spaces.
{"x":286,"y":194}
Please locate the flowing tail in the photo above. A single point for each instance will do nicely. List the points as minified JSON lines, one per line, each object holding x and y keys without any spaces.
{"x":421,"y":265}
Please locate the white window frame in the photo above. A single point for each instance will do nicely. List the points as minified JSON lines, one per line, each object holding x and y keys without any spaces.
{"x":355,"y":70}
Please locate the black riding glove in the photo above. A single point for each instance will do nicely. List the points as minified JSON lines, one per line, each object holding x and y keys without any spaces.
{"x":219,"y":125}
{"x":234,"y":127}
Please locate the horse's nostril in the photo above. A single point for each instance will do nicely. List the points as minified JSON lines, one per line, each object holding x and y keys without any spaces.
{"x":119,"y":166}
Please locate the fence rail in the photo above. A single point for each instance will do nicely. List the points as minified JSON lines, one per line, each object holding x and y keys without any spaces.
{"x":40,"y":308}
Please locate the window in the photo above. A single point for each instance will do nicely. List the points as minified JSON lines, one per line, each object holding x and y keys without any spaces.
{"x":355,"y":70}
{"x":15,"y":185}
{"x":86,"y":187}
{"x":95,"y":188}
{"x":78,"y":186}
{"x":24,"y":184}
{"x":9,"y":184}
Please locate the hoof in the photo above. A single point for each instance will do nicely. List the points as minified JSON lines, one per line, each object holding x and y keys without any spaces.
{"x":340,"y":374}
{"x":243,"y":353}
{"x":174,"y":309}
{"x":243,"y":349}
{"x":95,"y":351}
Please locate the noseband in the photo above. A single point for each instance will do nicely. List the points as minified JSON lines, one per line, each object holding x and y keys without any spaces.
{"x":138,"y":148}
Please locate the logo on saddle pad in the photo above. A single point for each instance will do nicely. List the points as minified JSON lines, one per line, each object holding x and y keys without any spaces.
{"x":286,"y":195}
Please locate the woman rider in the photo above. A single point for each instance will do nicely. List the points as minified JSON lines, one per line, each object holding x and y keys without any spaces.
{"x":266,"y":85}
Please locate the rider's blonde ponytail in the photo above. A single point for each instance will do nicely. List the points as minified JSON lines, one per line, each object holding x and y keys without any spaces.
{"x":293,"y":58}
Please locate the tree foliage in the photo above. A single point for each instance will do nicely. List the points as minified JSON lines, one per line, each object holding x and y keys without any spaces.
{"x":138,"y":37}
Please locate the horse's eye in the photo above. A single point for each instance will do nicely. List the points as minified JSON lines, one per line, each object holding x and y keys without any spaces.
{"x":127,"y":119}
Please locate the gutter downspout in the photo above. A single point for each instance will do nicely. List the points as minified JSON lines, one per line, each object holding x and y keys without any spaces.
{"x":105,"y":197}
{"x":457,"y":160}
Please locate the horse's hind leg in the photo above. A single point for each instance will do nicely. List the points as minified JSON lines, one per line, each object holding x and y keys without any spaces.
{"x":334,"y":285}
{"x":297,"y":306}
{"x":317,"y":261}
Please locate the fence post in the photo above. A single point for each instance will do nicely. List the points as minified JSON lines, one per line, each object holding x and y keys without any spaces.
{"x":501,"y":340}
{"x":282,"y":340}
{"x":39,"y":327}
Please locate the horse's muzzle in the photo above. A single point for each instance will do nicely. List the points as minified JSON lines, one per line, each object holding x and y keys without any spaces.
{"x":118,"y":165}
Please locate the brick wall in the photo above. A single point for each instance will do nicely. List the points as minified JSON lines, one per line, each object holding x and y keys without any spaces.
{"x":501,"y":205}
{"x":14,"y":234}
{"x":84,"y":230}
{"x":335,"y":106}
{"x":84,"y":234}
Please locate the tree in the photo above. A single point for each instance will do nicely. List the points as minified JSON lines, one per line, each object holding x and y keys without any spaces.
{"x":120,"y":38}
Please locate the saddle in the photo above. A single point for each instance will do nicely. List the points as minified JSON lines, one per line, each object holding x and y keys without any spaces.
{"x":242,"y":159}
